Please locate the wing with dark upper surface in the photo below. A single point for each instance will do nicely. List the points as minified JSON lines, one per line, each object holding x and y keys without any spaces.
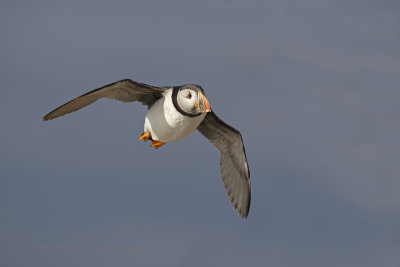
{"x":234,"y":168}
{"x":123,"y":90}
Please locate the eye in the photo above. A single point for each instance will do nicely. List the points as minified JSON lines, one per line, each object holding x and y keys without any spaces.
{"x":189,"y":95}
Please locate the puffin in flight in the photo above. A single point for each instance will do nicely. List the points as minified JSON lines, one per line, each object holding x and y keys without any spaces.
{"x":173,"y":113}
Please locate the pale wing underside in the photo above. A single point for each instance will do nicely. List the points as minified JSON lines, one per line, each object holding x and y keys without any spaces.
{"x":233,"y":165}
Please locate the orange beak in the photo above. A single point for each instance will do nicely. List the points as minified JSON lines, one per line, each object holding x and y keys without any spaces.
{"x":207,"y":107}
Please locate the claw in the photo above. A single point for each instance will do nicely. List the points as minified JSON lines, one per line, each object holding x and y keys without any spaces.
{"x":157,"y":144}
{"x":145,"y":136}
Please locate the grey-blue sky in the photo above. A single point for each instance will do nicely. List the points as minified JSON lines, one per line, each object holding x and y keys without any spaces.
{"x":312,"y":86}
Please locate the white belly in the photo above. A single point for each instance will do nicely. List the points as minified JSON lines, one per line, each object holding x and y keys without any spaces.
{"x":166,"y":124}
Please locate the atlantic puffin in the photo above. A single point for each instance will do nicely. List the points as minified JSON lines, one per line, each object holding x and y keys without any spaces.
{"x":173,"y":113}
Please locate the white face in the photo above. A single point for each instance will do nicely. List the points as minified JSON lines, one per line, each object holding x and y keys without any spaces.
{"x":189,"y":101}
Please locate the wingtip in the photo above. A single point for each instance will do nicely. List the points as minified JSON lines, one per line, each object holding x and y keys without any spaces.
{"x":47,"y":118}
{"x":243,"y":213}
{"x":51,"y":116}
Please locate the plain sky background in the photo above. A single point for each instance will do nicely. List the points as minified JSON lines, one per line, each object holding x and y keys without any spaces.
{"x":313,"y":86}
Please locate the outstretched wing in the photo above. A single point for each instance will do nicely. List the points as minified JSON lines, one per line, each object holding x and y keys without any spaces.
{"x":123,"y":90}
{"x":233,"y":165}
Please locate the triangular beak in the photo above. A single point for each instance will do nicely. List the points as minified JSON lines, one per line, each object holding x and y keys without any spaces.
{"x":207,"y":107}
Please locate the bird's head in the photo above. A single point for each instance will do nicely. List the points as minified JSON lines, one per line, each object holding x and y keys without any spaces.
{"x":191,"y":99}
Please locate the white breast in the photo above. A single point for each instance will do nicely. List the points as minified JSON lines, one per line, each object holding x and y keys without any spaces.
{"x":166,"y":124}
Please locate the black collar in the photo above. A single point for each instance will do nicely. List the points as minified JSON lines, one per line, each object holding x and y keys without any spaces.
{"x":174,"y":96}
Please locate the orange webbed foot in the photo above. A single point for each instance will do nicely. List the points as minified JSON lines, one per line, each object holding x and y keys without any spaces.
{"x":157,"y":144}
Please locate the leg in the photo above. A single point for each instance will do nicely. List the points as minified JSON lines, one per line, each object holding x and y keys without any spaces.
{"x":145,"y":136}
